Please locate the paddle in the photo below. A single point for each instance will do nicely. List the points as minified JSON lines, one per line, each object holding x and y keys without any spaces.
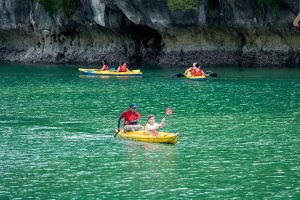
{"x":211,"y":73}
{"x":117,"y":132}
{"x":179,"y":75}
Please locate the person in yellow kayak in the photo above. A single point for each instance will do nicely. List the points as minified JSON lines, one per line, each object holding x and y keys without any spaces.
{"x":123,"y":68}
{"x":191,"y":71}
{"x":151,"y":127}
{"x":105,"y":65}
{"x":131,"y":118}
{"x":198,"y":71}
{"x":195,"y":70}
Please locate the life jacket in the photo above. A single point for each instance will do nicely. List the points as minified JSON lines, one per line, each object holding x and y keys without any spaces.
{"x":106,"y":67}
{"x":193,"y":71}
{"x":123,"y":68}
{"x":198,"y":72}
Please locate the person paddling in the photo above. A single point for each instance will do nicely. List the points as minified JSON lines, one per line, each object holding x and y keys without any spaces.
{"x":131,"y":118}
{"x":152,"y":127}
{"x":198,"y":71}
{"x":105,"y":66}
{"x":191,"y":71}
{"x":123,"y":68}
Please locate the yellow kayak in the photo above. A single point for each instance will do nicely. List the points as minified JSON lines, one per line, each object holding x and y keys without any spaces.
{"x":196,"y":78}
{"x":97,"y":72}
{"x":163,"y":137}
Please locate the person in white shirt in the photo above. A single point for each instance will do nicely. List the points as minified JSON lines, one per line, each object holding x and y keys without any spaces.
{"x":151,"y":127}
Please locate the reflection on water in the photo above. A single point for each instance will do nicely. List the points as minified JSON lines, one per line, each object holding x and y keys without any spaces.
{"x":238,"y":135}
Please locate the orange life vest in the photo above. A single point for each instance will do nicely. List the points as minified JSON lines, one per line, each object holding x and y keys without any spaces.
{"x":123,"y":68}
{"x":105,"y":67}
{"x":198,"y":72}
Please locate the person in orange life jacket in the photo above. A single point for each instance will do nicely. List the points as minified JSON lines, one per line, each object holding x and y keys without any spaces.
{"x":152,"y":127}
{"x":131,"y":118}
{"x":199,"y":71}
{"x":123,"y":68}
{"x":190,"y":71}
{"x":105,"y":66}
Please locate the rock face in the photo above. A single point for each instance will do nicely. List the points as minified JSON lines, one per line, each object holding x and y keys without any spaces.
{"x":144,"y":31}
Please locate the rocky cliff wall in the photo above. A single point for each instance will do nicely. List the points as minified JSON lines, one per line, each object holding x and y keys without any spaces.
{"x":143,"y":31}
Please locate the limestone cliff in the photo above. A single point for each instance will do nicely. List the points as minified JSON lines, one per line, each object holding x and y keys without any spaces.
{"x":151,"y":31}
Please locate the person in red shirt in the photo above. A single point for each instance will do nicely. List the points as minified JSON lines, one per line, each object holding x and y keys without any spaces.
{"x":131,"y":118}
{"x":123,"y":68}
{"x":105,"y":66}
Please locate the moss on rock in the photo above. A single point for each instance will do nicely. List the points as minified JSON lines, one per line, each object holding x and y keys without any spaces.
{"x":274,"y":3}
{"x":182,"y":5}
{"x":53,"y":6}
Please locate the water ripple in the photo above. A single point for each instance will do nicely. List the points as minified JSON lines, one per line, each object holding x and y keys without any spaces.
{"x":239,"y":136}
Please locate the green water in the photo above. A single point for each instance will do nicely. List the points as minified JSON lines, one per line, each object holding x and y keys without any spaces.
{"x":239,"y":135}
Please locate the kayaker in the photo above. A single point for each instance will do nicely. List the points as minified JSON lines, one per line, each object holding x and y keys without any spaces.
{"x":105,"y":66}
{"x":198,"y":71}
{"x":191,"y":71}
{"x":123,"y":68}
{"x":152,"y":127}
{"x":131,"y":118}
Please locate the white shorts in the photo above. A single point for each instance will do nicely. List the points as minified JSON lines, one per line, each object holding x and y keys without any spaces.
{"x":130,"y":128}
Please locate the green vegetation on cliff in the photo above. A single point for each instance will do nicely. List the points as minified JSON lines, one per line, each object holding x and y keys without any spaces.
{"x":274,"y":3}
{"x":53,"y":6}
{"x":182,"y":5}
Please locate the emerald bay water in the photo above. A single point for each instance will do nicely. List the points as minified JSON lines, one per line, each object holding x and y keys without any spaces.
{"x":239,"y":135}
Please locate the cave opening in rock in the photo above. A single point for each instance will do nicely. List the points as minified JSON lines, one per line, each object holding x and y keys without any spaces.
{"x":148,"y":44}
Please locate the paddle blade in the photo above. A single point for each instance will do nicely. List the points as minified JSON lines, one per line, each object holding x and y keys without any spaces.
{"x":154,"y":133}
{"x":213,"y":75}
{"x":169,"y":111}
{"x":180,"y":75}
